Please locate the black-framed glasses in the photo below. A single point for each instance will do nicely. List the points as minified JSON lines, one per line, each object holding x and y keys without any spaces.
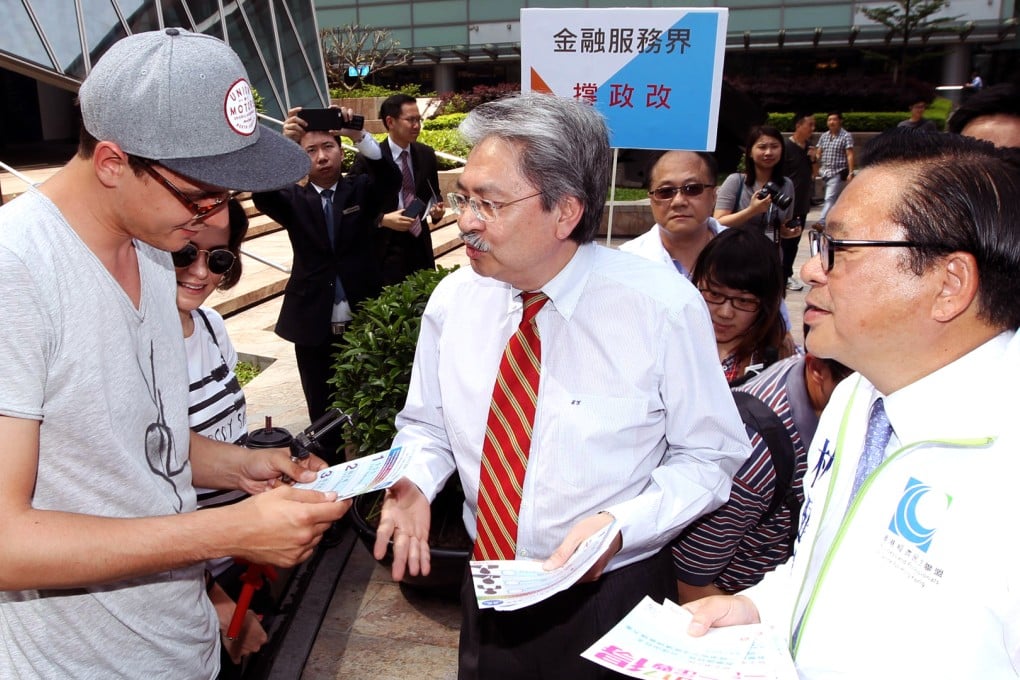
{"x":483,"y":208}
{"x":825,"y":247}
{"x":199,"y":212}
{"x":412,"y":120}
{"x":744,"y":304}
{"x":218,"y":260}
{"x":668,"y":193}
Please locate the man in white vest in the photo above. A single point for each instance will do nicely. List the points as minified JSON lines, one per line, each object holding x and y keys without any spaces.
{"x":904,"y":566}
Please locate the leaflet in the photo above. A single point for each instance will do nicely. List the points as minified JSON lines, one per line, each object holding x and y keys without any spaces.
{"x":506,"y":585}
{"x":652,"y":642}
{"x":373,"y":472}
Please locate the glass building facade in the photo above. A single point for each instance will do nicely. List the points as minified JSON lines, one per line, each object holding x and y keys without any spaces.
{"x":48,"y":46}
{"x":453,"y":39}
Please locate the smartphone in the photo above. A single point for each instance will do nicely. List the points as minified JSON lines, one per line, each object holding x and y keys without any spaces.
{"x":415,"y":210}
{"x":329,"y":119}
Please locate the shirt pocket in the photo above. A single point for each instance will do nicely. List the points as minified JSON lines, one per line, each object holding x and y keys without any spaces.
{"x":599,"y":439}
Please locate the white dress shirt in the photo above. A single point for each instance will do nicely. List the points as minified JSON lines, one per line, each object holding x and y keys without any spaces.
{"x":633,"y":416}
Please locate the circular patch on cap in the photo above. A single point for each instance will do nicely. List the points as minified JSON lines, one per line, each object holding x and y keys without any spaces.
{"x":239,"y":108}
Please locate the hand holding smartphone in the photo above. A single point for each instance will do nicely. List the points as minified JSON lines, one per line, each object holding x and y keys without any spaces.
{"x":329,"y":119}
{"x":415,"y":210}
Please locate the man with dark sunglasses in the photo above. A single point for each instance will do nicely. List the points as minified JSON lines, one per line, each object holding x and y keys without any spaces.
{"x":102,"y":557}
{"x":682,"y":197}
{"x":905,"y":565}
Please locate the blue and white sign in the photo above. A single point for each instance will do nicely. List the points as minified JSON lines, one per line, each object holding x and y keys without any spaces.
{"x":656,"y":74}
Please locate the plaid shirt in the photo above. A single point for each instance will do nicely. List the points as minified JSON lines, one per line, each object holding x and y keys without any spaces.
{"x":833,"y":149}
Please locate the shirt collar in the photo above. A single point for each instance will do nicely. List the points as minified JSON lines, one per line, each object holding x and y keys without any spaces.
{"x":564,"y":289}
{"x":395,"y":149}
{"x":942,"y":405}
{"x":319,"y":189}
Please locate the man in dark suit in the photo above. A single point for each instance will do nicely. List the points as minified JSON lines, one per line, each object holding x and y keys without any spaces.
{"x":336,"y":265}
{"x":406,"y":242}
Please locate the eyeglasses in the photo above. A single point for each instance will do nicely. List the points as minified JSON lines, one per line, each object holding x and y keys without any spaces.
{"x":413,"y":120}
{"x":668,"y":193}
{"x":825,"y":247}
{"x":742,"y":303}
{"x":484,"y":209}
{"x":199,"y":212}
{"x":218,"y":260}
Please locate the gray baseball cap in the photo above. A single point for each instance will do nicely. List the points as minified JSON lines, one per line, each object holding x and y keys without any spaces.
{"x":183,"y":99}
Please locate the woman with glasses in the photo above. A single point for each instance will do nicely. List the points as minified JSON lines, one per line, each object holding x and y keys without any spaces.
{"x":741,"y":278}
{"x":216,"y":405}
{"x":745,"y":199}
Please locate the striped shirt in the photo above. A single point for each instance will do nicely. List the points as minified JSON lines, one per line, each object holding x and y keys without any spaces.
{"x":216,"y":406}
{"x":736,"y":545}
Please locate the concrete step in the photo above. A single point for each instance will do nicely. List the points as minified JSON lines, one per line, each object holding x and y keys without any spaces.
{"x":260,"y":281}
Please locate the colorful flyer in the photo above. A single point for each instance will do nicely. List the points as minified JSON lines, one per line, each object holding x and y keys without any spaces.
{"x":652,"y":642}
{"x":369,"y":473}
{"x":506,"y":585}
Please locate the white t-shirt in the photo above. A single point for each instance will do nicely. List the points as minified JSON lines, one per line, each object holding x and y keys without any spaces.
{"x":108,"y":382}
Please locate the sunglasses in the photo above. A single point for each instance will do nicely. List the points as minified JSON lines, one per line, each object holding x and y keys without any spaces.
{"x":198,"y":212}
{"x":668,"y":193}
{"x":218,"y":260}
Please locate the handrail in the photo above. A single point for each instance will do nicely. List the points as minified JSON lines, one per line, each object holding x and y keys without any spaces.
{"x":18,"y":175}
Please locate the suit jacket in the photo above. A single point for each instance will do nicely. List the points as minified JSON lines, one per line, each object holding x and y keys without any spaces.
{"x":401,"y":252}
{"x":308,"y":297}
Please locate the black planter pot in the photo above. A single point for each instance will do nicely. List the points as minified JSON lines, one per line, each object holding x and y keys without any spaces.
{"x":449,"y":544}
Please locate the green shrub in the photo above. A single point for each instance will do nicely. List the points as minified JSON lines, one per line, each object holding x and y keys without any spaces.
{"x":410,"y":89}
{"x":447,"y":141}
{"x":246,"y":372}
{"x":450,"y":121}
{"x":861,"y":121}
{"x":374,"y":358}
{"x":462,"y":102}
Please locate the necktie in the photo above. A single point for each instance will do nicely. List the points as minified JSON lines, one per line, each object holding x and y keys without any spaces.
{"x":876,"y":439}
{"x":508,"y":437}
{"x":327,"y":210}
{"x":407,"y":189}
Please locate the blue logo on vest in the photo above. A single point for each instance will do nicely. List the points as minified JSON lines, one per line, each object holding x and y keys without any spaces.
{"x":918,"y":513}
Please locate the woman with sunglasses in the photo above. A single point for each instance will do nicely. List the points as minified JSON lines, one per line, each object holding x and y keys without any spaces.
{"x":741,"y":278}
{"x":741,"y":201}
{"x":216,"y":405}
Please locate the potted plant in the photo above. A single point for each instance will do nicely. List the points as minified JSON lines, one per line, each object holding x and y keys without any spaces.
{"x":372,"y":374}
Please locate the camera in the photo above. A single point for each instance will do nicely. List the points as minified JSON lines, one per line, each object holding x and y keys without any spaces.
{"x":779,"y":199}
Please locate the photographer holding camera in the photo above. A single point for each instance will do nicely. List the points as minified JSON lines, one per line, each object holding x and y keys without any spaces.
{"x":765,"y":199}
{"x":331,"y":222}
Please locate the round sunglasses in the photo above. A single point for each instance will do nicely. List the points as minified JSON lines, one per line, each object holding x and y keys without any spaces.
{"x":218,"y":260}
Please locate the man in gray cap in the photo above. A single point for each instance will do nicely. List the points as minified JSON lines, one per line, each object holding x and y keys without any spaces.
{"x":101,"y":554}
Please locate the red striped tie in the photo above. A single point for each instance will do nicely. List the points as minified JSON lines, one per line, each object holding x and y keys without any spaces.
{"x":508,"y":438}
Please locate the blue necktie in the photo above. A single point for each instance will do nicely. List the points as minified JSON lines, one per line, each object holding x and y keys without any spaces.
{"x":875,"y":442}
{"x":327,"y":210}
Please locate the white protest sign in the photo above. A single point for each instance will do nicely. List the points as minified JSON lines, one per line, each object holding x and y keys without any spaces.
{"x":655,"y":74}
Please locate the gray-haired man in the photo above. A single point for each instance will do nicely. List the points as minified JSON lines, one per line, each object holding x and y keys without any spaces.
{"x":604,"y":433}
